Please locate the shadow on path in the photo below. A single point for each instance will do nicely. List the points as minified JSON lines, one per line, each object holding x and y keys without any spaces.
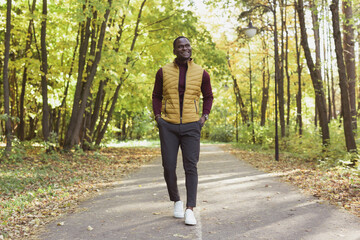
{"x":235,"y":201}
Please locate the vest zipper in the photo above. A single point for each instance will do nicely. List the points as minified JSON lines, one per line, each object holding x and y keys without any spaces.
{"x":165,"y":108}
{"x":182,"y":110}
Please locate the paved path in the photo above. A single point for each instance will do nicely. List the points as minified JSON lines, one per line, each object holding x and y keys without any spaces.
{"x":235,"y":201}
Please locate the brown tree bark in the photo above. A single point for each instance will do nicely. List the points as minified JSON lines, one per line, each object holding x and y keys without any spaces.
{"x":83,"y":88}
{"x":60,"y":122}
{"x":100,"y":96}
{"x":281,"y":91}
{"x":345,"y":102}
{"x":358,"y":103}
{"x":299,"y":70}
{"x":315,"y":77}
{"x":44,"y":81}
{"x":332,"y":80}
{"x":122,"y":78}
{"x":8,"y":131}
{"x":349,"y":56}
{"x":21,"y":127}
{"x":97,"y":106}
{"x":288,"y":100}
{"x":316,"y":30}
{"x":327,"y":60}
{"x":265,"y":87}
{"x":243,"y":112}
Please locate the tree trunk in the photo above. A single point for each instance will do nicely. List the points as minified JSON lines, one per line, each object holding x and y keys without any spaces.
{"x":100,"y":125}
{"x":315,"y":77}
{"x":265,"y":88}
{"x":281,"y":77}
{"x":239,"y":100}
{"x":94,"y":134}
{"x":358,"y":40}
{"x":103,"y":130}
{"x":288,"y":102}
{"x":6,"y":79}
{"x":21,"y":127}
{"x":277,"y":75}
{"x":13,"y":91}
{"x":99,"y":99}
{"x":345,"y":103}
{"x":299,"y":70}
{"x":83,"y":90}
{"x":327,"y":60}
{"x":333,"y":102}
{"x":123,"y":76}
{"x":251,"y":99}
{"x":316,"y":30}
{"x":60,"y":122}
{"x":349,"y":56}
{"x":44,"y":69}
{"x":329,"y":96}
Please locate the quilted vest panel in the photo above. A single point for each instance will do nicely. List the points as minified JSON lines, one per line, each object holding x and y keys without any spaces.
{"x":171,"y":101}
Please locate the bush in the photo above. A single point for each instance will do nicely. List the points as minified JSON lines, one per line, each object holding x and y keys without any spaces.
{"x":222,"y":134}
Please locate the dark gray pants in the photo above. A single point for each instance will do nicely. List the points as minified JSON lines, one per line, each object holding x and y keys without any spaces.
{"x":187,"y":136}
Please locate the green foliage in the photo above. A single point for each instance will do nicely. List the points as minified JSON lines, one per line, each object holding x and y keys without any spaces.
{"x":17,"y":154}
{"x":307,"y":147}
{"x":224,"y":133}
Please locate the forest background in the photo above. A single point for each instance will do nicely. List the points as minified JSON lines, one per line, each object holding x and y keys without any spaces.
{"x":77,"y":78}
{"x":80,"y":73}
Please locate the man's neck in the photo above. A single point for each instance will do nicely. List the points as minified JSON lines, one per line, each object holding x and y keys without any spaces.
{"x":182,"y":62}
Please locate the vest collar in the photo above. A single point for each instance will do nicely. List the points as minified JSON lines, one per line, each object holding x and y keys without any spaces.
{"x":176,"y":64}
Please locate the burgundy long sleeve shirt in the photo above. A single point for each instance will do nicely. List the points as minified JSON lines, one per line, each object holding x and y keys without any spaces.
{"x":205,"y":90}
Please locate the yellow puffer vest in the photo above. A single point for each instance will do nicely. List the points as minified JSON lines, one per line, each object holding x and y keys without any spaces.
{"x":171,"y":100}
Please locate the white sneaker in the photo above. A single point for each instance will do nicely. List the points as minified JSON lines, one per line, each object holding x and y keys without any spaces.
{"x":178,"y":209}
{"x":189,"y":217}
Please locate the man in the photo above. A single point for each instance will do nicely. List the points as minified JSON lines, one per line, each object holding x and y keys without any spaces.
{"x":176,"y":98}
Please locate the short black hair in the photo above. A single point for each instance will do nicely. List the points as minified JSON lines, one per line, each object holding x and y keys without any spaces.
{"x":174,"y":43}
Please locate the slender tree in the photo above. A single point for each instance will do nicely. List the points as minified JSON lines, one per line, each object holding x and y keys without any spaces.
{"x":6,"y":78}
{"x":251,"y":98}
{"x":281,"y":94}
{"x":288,"y":102}
{"x":21,"y":127}
{"x":299,"y":69}
{"x":44,"y":80}
{"x":349,"y":56}
{"x":315,"y":77}
{"x":243,"y":112}
{"x":345,"y":102}
{"x":265,"y":86}
{"x":84,"y":83}
{"x":316,"y":30}
{"x":123,"y":76}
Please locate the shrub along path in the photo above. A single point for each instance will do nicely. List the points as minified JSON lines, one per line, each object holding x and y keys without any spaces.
{"x":235,"y":201}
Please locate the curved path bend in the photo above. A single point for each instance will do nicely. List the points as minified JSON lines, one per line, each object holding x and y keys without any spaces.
{"x":235,"y":201}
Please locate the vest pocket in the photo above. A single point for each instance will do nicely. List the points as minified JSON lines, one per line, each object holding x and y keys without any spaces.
{"x":195,"y":106}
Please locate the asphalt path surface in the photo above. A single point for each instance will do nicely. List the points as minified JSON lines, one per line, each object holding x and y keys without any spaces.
{"x":235,"y":201}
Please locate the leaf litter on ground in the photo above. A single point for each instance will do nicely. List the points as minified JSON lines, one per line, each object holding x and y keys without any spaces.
{"x":338,"y":185}
{"x":42,"y":187}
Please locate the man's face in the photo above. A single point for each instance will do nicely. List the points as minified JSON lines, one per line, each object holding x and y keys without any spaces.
{"x":182,"y":49}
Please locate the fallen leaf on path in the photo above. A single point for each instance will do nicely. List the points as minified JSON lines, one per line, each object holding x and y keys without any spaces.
{"x":180,"y":236}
